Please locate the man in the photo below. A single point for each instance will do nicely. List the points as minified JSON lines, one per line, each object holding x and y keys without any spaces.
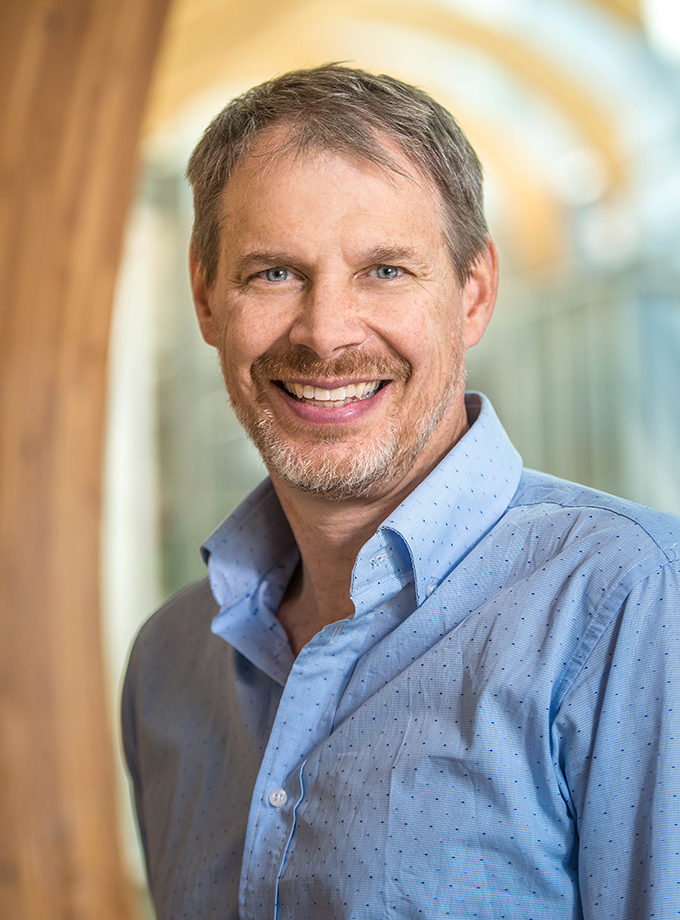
{"x":422,"y":682}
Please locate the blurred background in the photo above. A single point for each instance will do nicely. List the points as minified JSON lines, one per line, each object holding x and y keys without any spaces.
{"x":574,"y":109}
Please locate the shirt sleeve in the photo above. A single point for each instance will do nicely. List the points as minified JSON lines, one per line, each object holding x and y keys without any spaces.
{"x":616,"y":740}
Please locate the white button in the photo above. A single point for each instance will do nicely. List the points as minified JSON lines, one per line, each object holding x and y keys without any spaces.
{"x":277,"y":798}
{"x":431,"y":588}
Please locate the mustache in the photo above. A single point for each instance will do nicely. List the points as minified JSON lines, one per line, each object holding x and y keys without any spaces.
{"x":301,"y":362}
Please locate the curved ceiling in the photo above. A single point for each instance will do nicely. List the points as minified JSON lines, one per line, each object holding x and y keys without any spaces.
{"x":232,"y":44}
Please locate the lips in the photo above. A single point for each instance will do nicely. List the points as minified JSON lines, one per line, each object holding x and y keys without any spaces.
{"x":331,"y":398}
{"x":312,"y":383}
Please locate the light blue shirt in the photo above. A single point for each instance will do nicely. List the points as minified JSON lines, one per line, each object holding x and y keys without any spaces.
{"x":493,"y":734}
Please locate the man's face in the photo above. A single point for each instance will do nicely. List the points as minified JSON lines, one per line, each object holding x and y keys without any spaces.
{"x":339,"y":321}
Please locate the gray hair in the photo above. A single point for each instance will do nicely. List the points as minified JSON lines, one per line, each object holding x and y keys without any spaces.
{"x":348,"y":111}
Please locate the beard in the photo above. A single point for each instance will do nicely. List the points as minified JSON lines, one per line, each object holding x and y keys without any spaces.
{"x":316,"y":460}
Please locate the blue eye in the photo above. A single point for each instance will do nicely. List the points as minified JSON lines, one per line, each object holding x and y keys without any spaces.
{"x":276,"y":274}
{"x":386,"y":272}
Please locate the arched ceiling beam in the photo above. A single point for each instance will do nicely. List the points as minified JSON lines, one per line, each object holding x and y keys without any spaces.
{"x":201,"y":46}
{"x":519,"y":58}
{"x":627,"y":10}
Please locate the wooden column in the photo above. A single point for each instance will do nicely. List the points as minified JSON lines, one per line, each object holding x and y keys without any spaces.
{"x":73,"y":83}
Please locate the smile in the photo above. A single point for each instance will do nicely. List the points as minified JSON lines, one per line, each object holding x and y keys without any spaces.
{"x":331,"y":399}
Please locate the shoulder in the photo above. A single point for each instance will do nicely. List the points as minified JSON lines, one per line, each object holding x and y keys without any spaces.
{"x":585,"y":549}
{"x":177,"y":668}
{"x":177,"y":639}
{"x":189,"y":611}
{"x":556,"y":504}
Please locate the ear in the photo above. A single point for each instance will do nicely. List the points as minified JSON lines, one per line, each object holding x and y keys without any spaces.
{"x":479,"y":295}
{"x":201,"y":295}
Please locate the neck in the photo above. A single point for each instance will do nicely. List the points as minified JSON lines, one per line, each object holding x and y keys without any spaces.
{"x":329,"y":535}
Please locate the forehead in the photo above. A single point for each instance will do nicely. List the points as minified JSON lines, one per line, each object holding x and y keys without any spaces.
{"x":277,"y":172}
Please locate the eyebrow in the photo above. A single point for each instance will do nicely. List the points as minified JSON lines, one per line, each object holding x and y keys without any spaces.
{"x":259,"y":258}
{"x":391,"y":255}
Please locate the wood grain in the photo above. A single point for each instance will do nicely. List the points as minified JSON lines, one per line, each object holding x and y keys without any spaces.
{"x":73,"y":82}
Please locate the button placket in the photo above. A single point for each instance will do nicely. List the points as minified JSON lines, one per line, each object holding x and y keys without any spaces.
{"x":298,"y":728}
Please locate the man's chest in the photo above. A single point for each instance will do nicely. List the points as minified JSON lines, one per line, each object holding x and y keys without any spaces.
{"x":430,"y":753}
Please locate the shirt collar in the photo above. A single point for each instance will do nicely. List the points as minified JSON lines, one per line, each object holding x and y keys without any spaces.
{"x":252,"y":541}
{"x":251,"y":558}
{"x":449,"y":512}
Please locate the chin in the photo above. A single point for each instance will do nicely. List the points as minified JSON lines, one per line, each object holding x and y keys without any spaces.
{"x":338,"y":470}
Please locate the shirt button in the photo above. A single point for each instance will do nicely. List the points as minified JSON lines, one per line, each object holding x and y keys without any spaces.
{"x":430,"y":588}
{"x":277,"y":798}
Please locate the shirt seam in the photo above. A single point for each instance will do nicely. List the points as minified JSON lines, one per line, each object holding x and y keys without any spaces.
{"x":609,"y":603}
{"x":670,"y":553}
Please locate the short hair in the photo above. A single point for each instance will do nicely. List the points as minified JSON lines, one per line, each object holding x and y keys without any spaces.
{"x":347,"y":111}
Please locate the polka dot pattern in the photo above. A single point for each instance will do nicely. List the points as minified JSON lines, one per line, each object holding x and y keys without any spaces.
{"x":493,"y":734}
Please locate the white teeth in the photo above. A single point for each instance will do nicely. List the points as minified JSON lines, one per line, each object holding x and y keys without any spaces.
{"x":334,"y":397}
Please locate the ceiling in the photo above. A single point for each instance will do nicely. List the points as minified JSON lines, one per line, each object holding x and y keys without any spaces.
{"x":538,"y":85}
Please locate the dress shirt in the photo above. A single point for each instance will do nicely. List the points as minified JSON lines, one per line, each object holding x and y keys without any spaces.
{"x":493,"y":734}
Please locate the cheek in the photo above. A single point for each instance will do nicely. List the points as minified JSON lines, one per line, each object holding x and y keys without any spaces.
{"x":434,"y":347}
{"x":235,"y":360}
{"x":253,"y":328}
{"x":241,"y":339}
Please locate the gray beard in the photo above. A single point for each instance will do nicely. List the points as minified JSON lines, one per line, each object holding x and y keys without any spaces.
{"x":374,"y":465}
{"x":367,"y":472}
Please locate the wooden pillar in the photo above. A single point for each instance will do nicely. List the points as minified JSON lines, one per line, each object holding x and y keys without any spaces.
{"x":73,"y":83}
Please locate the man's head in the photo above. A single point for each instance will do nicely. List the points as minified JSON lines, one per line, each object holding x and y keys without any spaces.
{"x":351,"y":112}
{"x":338,"y":281}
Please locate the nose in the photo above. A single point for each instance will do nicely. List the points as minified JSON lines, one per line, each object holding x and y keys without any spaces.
{"x":328,"y":321}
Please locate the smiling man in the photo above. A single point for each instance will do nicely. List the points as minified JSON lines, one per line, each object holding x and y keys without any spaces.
{"x":421,"y":682}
